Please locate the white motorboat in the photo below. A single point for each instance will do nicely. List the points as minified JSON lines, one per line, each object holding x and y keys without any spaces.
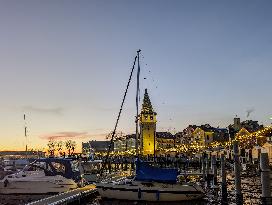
{"x":40,"y":177}
{"x":151,"y":184}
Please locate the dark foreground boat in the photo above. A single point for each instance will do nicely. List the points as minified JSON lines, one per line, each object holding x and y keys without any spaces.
{"x":151,"y":184}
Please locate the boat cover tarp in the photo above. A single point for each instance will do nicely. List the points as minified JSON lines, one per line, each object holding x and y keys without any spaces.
{"x":68,"y":172}
{"x":147,"y":172}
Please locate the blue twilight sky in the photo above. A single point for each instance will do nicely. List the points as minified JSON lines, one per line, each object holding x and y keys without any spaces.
{"x":66,"y":64}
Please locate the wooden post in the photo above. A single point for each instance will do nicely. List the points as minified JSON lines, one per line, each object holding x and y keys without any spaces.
{"x":237,"y":172}
{"x":214,"y":168}
{"x":224,"y":200}
{"x":208,"y":174}
{"x":203,"y":166}
{"x":265,"y":179}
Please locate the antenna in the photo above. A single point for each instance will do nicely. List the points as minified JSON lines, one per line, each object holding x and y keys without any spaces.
{"x":25,"y":135}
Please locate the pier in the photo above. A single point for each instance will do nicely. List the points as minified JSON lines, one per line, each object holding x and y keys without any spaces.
{"x":76,"y":196}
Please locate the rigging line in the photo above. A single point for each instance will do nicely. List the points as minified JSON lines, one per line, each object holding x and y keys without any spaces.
{"x":119,"y":114}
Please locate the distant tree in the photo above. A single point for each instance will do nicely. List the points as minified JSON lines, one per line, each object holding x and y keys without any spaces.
{"x":70,"y":146}
{"x":59,"y":146}
{"x":73,"y":147}
{"x":51,"y":147}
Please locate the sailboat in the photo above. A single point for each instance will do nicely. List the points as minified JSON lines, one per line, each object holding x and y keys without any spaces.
{"x":150,"y":183}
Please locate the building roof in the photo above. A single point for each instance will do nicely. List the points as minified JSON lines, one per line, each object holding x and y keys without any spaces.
{"x":147,"y":106}
{"x":165,"y":135}
{"x":221,"y":130}
{"x":99,"y":145}
{"x":131,"y":136}
{"x":207,"y":128}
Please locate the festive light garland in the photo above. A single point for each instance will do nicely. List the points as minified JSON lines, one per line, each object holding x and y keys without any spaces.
{"x":245,"y":141}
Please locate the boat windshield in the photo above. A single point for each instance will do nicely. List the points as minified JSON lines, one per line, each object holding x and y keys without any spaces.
{"x":74,"y":166}
{"x":37,"y":166}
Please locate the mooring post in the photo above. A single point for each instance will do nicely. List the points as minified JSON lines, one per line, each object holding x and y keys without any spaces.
{"x":199,"y":164}
{"x":265,"y":179}
{"x":237,"y":172}
{"x":214,"y":168}
{"x":207,"y":165}
{"x":208,"y":175}
{"x":224,"y":200}
{"x":203,"y":166}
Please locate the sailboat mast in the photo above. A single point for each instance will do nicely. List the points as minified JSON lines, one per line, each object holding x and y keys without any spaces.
{"x":137,"y":104}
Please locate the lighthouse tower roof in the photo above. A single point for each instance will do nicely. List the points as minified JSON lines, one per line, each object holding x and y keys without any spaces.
{"x":147,"y":106}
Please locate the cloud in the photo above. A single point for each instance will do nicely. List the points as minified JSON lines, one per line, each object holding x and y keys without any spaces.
{"x":65,"y":135}
{"x":74,"y":136}
{"x":56,"y":111}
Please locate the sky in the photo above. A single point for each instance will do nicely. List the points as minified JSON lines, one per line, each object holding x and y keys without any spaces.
{"x":65,"y":64}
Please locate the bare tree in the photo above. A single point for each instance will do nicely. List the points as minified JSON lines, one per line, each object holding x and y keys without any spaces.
{"x":59,"y":146}
{"x":70,"y":146}
{"x":51,"y":147}
{"x":118,"y":135}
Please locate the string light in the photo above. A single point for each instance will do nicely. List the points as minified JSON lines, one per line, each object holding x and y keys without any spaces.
{"x":245,"y":141}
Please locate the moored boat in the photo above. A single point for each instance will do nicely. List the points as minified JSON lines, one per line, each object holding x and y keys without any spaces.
{"x":151,"y":184}
{"x":43,"y":176}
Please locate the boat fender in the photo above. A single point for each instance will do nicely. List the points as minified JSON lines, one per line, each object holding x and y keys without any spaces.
{"x":6,"y":183}
{"x":158,"y":195}
{"x":139,"y":193}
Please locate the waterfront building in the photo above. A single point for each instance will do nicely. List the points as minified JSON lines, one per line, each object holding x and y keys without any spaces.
{"x":179,"y":138}
{"x":147,"y":127}
{"x":186,"y":136}
{"x":249,"y":125}
{"x":96,"y":146}
{"x":165,"y":140}
{"x":203,"y":135}
{"x":243,"y":132}
{"x":130,"y":142}
{"x":125,"y":144}
{"x":256,"y":151}
{"x":85,"y":148}
{"x":267,"y":147}
{"x":221,"y":134}
{"x":119,"y":145}
{"x":22,"y":154}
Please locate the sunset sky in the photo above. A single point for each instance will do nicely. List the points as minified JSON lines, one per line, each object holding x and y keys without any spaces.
{"x":65,"y":64}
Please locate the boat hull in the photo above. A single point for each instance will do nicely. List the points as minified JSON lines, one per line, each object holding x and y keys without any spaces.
{"x":36,"y":187}
{"x":138,"y":193}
